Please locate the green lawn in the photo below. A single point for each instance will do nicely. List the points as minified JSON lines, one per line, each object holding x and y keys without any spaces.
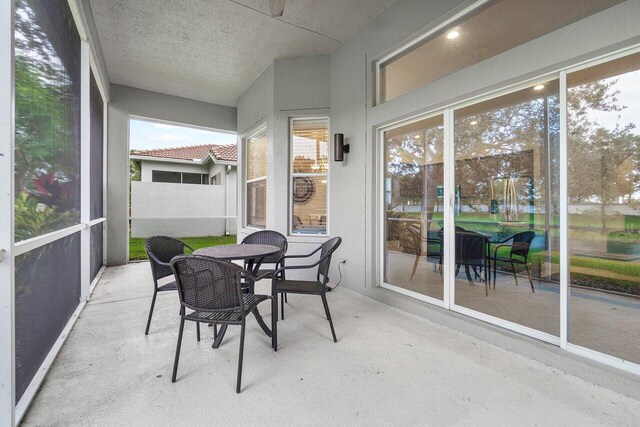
{"x":136,"y":245}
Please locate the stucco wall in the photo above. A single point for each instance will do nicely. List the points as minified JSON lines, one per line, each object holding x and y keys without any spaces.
{"x":187,"y":208}
{"x":126,"y":102}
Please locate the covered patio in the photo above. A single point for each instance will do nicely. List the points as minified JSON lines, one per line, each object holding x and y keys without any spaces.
{"x":475,"y":164}
{"x":388,"y":366}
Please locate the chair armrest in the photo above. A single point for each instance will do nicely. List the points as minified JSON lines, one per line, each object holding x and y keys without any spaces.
{"x":188,"y":247}
{"x":157,"y":261}
{"x":300,"y":256}
{"x":495,"y":252}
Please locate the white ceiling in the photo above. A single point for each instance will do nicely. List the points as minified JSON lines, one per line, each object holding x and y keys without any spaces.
{"x":212,"y":50}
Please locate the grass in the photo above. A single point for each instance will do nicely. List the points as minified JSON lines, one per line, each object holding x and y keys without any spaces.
{"x":137,"y":252}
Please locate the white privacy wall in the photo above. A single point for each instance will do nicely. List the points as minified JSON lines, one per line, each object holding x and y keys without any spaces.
{"x":177,"y":210}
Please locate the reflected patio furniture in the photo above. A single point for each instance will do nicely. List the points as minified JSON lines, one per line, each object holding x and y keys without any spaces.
{"x":519,"y":254}
{"x":472,"y":251}
{"x":414,"y":243}
{"x":160,"y":250}
{"x":273,"y":238}
{"x":210,"y":291}
{"x":304,"y":287}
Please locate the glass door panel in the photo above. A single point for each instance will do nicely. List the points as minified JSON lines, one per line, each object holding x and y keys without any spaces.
{"x":506,"y":207}
{"x":414,"y":207}
{"x":604,"y":207}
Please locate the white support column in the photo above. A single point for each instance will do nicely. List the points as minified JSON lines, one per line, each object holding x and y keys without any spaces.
{"x":564,"y":216}
{"x":85,"y":173}
{"x":7,"y":264}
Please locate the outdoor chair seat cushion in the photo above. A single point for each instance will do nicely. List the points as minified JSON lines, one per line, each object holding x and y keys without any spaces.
{"x":251,"y":301}
{"x":299,"y":286}
{"x":170,"y":286}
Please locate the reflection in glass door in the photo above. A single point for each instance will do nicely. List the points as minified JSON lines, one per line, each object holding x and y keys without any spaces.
{"x":604,"y":207}
{"x":506,"y":207}
{"x":414,"y":207}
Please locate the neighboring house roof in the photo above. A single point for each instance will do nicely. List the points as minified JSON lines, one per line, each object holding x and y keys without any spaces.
{"x":224,"y":153}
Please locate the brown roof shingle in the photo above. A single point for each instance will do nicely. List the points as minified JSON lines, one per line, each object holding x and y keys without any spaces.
{"x":227,"y":153}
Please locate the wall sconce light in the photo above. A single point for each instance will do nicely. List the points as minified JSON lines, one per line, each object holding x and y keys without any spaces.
{"x":339,"y":147}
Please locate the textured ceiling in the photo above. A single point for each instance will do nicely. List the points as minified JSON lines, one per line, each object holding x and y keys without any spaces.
{"x":212,"y":50}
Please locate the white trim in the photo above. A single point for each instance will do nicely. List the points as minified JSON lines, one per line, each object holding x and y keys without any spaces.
{"x":168,"y":160}
{"x":184,"y":217}
{"x":36,"y":381}
{"x":292,"y":175}
{"x":96,"y":279}
{"x":260,"y":178}
{"x":7,"y":188}
{"x":38,"y":241}
{"x":516,"y":327}
{"x":105,"y":134}
{"x":564,"y":215}
{"x":607,"y":359}
{"x":96,"y":221}
{"x":85,"y":170}
{"x":449,"y":162}
{"x":412,"y":294}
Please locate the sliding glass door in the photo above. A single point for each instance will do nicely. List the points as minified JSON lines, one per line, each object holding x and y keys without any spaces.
{"x":506,"y":207}
{"x":414,"y":207}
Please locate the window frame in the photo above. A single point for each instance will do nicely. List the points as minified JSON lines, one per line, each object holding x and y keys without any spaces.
{"x":245,"y":158}
{"x":291,"y":176}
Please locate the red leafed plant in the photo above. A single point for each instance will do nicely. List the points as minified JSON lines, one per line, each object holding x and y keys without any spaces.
{"x":52,"y":191}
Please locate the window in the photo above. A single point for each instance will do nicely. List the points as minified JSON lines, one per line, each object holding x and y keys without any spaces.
{"x":309,"y":175}
{"x":256,"y":186}
{"x":492,"y":27}
{"x":179,"y":177}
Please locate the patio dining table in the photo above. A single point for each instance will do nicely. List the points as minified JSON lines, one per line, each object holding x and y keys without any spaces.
{"x":253,"y":256}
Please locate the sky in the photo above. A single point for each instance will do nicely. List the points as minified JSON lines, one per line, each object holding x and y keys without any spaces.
{"x":145,"y":135}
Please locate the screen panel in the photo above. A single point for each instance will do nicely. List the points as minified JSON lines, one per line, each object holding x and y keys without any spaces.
{"x":97,"y":150}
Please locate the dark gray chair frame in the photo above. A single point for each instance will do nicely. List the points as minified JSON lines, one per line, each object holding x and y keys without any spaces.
{"x":435,"y":256}
{"x":472,"y":251}
{"x":270,"y":237}
{"x":225,"y":304}
{"x":520,"y":245}
{"x":160,"y":250}
{"x":306,"y":287}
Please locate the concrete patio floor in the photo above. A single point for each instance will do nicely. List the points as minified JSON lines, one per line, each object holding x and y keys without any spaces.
{"x":388,"y":368}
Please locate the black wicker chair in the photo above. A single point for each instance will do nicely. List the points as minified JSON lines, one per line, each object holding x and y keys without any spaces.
{"x":471,"y":251}
{"x":210,"y":291}
{"x":519,"y":254}
{"x":160,"y":250}
{"x":306,"y":287}
{"x":270,"y":237}
{"x":414,"y":243}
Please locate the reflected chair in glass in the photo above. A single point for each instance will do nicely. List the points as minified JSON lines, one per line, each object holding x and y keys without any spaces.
{"x":273,"y":238}
{"x":472,"y":251}
{"x":519,"y":254}
{"x":210,"y":291}
{"x":160,"y":250}
{"x":304,"y":287}
{"x":414,"y":243}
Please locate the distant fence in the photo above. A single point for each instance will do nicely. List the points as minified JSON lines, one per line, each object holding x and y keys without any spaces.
{"x":180,"y":210}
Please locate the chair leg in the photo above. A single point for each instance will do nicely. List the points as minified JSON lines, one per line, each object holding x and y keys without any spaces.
{"x":468,"y":273}
{"x":326,"y":310}
{"x":198,"y":331}
{"x":215,"y":331}
{"x":495,"y":272}
{"x":240,"y":358}
{"x":282,"y":307}
{"x":415,"y":266}
{"x":515,"y":276}
{"x":529,"y":274}
{"x":285,"y":298}
{"x":274,"y":321}
{"x":153,"y":303}
{"x":175,"y":361}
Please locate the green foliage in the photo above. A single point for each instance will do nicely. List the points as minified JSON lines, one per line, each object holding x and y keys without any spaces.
{"x":137,"y":252}
{"x":34,"y":219}
{"x":134,"y":170}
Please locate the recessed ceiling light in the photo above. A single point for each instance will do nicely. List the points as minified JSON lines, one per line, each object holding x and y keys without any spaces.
{"x":453,"y":34}
{"x":538,"y":87}
{"x":473,"y":123}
